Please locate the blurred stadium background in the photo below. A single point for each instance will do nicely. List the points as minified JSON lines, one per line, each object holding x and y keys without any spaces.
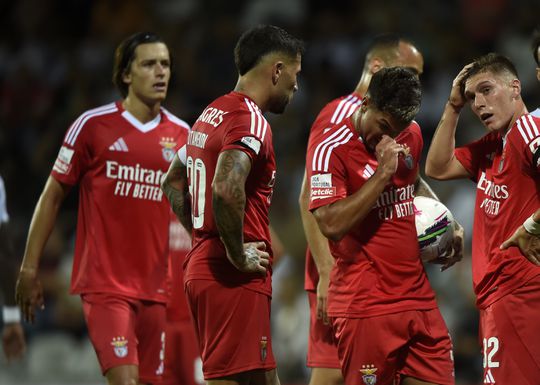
{"x":55,"y":63}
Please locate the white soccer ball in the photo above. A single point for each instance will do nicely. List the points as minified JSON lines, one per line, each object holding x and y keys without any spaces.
{"x":434,"y":227}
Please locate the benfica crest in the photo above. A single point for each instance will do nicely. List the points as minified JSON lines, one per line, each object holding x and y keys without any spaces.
{"x":263,"y":344}
{"x":368,"y":374}
{"x":120,"y":346}
{"x":168,"y":148}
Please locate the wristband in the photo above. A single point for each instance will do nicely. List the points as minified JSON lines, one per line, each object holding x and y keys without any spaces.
{"x":11,"y":314}
{"x":532,"y":226}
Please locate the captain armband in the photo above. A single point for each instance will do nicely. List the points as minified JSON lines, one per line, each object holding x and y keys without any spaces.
{"x":532,"y":226}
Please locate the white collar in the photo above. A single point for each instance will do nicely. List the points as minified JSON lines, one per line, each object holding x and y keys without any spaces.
{"x":143,"y":127}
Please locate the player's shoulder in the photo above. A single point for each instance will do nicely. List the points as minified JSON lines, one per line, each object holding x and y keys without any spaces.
{"x":526,"y":131}
{"x":175,"y":120}
{"x":98,"y":113}
{"x":93,"y":117}
{"x":338,"y":141}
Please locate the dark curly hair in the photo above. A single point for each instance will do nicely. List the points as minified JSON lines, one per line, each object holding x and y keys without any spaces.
{"x":396,"y":91}
{"x":259,"y":41}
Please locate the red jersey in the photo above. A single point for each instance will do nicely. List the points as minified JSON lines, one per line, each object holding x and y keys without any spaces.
{"x":333,"y":113}
{"x":232,"y":121}
{"x":122,"y":230}
{"x":179,"y":245}
{"x":378,"y":269}
{"x":506,"y":172}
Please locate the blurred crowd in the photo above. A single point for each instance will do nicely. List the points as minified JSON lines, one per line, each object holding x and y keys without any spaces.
{"x":55,"y":63}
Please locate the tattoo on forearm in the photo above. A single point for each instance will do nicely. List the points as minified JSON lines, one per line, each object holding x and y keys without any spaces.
{"x":178,"y":197}
{"x":229,"y":200}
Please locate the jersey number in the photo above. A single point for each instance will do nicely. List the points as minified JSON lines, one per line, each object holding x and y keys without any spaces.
{"x":491,"y":346}
{"x":197,"y":189}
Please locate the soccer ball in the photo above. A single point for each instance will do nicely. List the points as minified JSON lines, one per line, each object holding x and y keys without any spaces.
{"x":434,"y":227}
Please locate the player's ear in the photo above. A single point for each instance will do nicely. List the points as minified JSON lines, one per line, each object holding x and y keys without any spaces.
{"x":516,"y":88}
{"x":277,"y":69}
{"x":538,"y":73}
{"x":375,"y":65}
{"x":126,"y":77}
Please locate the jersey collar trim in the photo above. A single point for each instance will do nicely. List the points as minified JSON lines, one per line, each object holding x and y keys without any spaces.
{"x":143,"y":127}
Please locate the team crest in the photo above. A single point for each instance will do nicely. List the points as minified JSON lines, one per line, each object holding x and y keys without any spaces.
{"x":168,"y":150}
{"x":120,"y":346}
{"x":264,"y":344}
{"x":368,"y":374}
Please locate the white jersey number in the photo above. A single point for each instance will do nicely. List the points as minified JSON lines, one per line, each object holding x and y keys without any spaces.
{"x":491,"y":346}
{"x":197,"y":189}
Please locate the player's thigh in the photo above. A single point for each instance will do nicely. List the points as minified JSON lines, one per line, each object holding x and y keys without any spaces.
{"x":371,"y":349}
{"x":326,"y":376}
{"x":233,"y":328}
{"x":429,"y":354}
{"x":150,"y":330}
{"x":111,"y":328}
{"x":509,"y":336}
{"x":123,"y":375}
{"x":322,"y":345}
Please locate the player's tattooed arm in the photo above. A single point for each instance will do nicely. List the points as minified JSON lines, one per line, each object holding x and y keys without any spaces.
{"x":175,"y":186}
{"x":229,"y":202}
{"x":422,"y":189}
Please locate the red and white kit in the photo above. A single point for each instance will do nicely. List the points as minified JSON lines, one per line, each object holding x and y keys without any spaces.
{"x":378,"y":272}
{"x":232,"y":121}
{"x":506,"y":171}
{"x":121,"y":248}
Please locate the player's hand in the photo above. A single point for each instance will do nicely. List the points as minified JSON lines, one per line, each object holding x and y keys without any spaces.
{"x":454,"y":253}
{"x":387,"y":152}
{"x":456,"y":99}
{"x":256,"y":259}
{"x":13,"y":341}
{"x":322,"y":295}
{"x":29,"y":294}
{"x":528,"y":244}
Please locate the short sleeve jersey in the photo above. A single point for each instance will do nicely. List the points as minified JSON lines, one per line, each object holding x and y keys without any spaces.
{"x":333,"y":113}
{"x":506,"y":172}
{"x":123,"y":220}
{"x":378,"y":269}
{"x":179,"y":245}
{"x":231,"y":122}
{"x":4,"y":217}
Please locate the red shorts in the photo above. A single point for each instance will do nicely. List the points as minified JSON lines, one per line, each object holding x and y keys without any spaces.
{"x":182,"y":359}
{"x":322,"y":346}
{"x":381,"y":349}
{"x":126,"y":331}
{"x":232,"y":326}
{"x":510,"y":338}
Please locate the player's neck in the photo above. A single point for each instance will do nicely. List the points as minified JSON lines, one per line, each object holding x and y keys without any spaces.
{"x":144,"y":112}
{"x":520,"y":111}
{"x":363,"y":84}
{"x":251,"y":88}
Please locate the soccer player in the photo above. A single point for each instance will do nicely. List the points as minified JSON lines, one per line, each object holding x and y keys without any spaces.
{"x":536,"y":54}
{"x":117,"y":154}
{"x":362,"y":185}
{"x":13,"y":342}
{"x":384,"y":51}
{"x":182,"y":358}
{"x":506,"y":244}
{"x":229,"y":172}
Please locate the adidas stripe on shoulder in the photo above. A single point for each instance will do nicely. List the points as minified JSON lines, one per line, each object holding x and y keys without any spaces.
{"x":77,"y":126}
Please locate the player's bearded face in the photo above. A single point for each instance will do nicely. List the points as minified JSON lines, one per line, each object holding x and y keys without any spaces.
{"x":287,"y":85}
{"x":150,"y":72}
{"x":491,"y":98}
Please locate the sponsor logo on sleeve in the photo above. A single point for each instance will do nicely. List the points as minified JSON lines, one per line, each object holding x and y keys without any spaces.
{"x":321,"y":186}
{"x":62,"y":165}
{"x":252,"y":143}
